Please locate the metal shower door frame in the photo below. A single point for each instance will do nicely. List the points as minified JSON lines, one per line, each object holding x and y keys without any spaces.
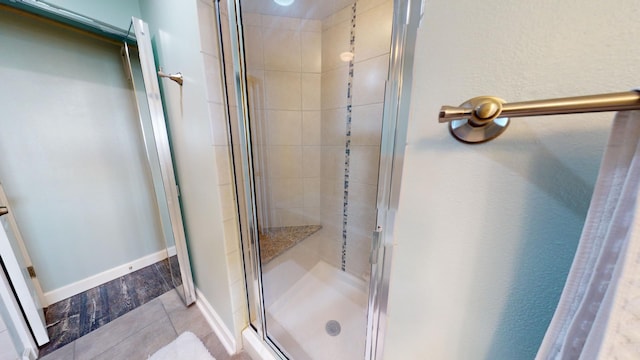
{"x":406,"y":19}
{"x":158,"y":129}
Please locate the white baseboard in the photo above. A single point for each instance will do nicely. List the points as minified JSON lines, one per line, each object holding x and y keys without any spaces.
{"x":77,"y":287}
{"x":171,"y":251}
{"x":222,"y":331}
{"x":29,"y":354}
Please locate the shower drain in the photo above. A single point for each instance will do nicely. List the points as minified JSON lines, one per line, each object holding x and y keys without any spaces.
{"x":333,"y":328}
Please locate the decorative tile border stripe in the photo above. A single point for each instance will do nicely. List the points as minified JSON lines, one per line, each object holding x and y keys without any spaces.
{"x":347,"y":150}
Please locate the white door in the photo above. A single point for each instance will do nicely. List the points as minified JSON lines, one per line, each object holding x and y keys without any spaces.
{"x":16,"y":268}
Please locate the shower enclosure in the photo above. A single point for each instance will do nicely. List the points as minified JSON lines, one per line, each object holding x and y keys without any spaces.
{"x":314,"y":90}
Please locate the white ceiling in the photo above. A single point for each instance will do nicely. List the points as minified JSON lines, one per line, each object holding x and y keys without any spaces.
{"x":305,"y":9}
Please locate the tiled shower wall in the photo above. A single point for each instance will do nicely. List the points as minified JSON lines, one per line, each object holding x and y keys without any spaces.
{"x":219,"y":139}
{"x":298,"y":94}
{"x":372,"y":42}
{"x":283,"y":63}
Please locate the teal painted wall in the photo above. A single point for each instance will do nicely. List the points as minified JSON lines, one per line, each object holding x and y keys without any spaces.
{"x":113,"y":12}
{"x":72,"y":161}
{"x":175,"y":35}
{"x":485,"y":234}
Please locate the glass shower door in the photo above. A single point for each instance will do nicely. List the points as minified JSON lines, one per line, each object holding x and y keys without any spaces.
{"x":315,"y":85}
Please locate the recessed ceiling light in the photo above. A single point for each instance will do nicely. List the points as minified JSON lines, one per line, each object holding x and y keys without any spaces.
{"x":284,"y":2}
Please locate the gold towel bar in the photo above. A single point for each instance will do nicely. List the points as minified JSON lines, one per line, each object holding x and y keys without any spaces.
{"x":484,"y":118}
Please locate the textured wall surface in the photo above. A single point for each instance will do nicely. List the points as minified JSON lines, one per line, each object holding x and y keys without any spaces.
{"x":113,"y":12}
{"x":181,"y":46}
{"x":72,"y":162}
{"x":486,"y":233}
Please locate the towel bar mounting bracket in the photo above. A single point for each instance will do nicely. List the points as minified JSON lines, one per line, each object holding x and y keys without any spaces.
{"x":483,"y":124}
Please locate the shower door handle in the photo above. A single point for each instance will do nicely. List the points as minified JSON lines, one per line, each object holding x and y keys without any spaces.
{"x":3,"y":210}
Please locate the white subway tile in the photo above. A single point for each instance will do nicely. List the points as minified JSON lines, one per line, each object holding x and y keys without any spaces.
{"x":223,"y":165}
{"x":335,"y":41}
{"x":283,"y":90}
{"x":311,"y":51}
{"x":334,"y":88}
{"x":254,"y":48}
{"x":310,"y":91}
{"x":280,"y":22}
{"x":369,"y":80}
{"x":334,"y":126}
{"x":312,"y":193}
{"x":208,"y":28}
{"x":287,"y":193}
{"x":234,"y":264}
{"x":311,"y":128}
{"x":311,"y":161}
{"x":281,"y":50}
{"x":373,"y":32}
{"x":213,"y":79}
{"x":284,"y":127}
{"x":332,"y":163}
{"x":364,"y":164}
{"x":366,"y":124}
{"x":218,"y":123}
{"x":310,"y":25}
{"x":251,"y":19}
{"x":285,"y":162}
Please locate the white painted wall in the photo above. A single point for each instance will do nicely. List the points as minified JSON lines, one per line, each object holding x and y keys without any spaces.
{"x":71,"y":156}
{"x":486,"y":233}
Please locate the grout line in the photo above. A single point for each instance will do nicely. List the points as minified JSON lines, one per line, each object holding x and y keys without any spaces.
{"x":173,"y":326}
{"x":134,"y":334}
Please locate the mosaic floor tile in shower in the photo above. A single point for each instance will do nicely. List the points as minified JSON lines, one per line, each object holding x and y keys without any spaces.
{"x":275,"y":241}
{"x":74,"y":317}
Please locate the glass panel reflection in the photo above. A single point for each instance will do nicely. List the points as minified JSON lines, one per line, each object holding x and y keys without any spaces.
{"x":315,"y":80}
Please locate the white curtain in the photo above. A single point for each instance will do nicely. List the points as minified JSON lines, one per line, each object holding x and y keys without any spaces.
{"x":598,"y":316}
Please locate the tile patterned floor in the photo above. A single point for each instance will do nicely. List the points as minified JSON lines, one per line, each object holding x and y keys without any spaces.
{"x":84,"y":313}
{"x":275,"y":241}
{"x":141,"y":332}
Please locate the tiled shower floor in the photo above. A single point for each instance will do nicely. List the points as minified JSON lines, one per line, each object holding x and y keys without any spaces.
{"x":74,"y":317}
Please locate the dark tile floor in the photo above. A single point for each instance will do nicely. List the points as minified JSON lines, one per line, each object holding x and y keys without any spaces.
{"x":72,"y":318}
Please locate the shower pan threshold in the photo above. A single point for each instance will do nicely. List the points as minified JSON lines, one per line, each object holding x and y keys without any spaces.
{"x":298,"y":320}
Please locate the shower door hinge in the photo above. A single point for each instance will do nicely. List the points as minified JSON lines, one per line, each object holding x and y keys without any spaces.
{"x":31,"y":271}
{"x":375,"y":245}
